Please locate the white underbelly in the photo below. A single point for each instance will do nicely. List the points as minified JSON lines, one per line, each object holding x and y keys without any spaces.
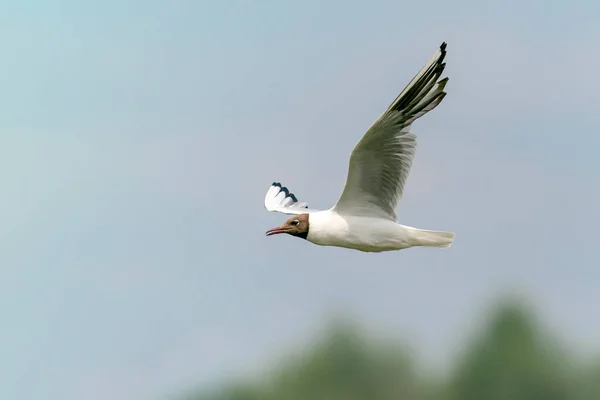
{"x":360,"y":233}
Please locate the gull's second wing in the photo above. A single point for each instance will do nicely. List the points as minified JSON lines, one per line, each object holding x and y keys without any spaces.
{"x":381,"y":161}
{"x":280,"y":199}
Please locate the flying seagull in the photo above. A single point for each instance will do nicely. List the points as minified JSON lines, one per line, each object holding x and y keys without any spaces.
{"x":364,"y":217}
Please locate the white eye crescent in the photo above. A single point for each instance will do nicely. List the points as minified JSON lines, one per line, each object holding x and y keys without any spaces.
{"x":295,"y":222}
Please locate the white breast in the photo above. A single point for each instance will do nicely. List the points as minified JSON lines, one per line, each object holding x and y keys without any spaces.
{"x":328,"y":228}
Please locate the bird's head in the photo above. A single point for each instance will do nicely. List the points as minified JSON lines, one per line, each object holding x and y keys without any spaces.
{"x":295,"y":226}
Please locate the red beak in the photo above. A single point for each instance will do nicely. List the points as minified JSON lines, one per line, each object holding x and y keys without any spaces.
{"x":276,"y":231}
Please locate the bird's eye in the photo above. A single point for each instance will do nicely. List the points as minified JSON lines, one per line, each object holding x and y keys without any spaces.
{"x":295,"y":222}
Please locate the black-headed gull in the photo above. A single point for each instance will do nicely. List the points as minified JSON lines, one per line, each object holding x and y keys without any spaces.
{"x":364,"y":217}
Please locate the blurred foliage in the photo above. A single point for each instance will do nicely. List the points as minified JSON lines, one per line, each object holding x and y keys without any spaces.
{"x":513,"y":357}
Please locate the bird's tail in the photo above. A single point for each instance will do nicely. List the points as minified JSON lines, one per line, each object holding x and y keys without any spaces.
{"x":422,"y":237}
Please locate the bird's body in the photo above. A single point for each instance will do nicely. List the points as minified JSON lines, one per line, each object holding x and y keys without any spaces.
{"x":368,"y":234}
{"x":328,"y":228}
{"x":364,"y":218}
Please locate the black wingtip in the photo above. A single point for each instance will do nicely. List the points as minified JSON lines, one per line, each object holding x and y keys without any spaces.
{"x":281,"y":188}
{"x":443,"y":55}
{"x":286,"y":191}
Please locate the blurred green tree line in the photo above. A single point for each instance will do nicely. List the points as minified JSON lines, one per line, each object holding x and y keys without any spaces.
{"x":512,"y":358}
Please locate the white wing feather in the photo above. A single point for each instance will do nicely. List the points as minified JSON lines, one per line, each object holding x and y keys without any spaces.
{"x":280,"y":199}
{"x":381,"y":161}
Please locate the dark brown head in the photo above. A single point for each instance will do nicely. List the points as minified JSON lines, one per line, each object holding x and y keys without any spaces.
{"x":295,"y":226}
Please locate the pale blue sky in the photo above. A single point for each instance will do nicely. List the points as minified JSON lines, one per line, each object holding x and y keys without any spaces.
{"x":137,"y":140}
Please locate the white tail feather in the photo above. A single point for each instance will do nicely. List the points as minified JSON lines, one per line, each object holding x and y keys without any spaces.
{"x":422,"y":237}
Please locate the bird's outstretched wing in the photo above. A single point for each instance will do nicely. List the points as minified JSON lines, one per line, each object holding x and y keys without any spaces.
{"x":381,"y":161}
{"x":280,"y":199}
